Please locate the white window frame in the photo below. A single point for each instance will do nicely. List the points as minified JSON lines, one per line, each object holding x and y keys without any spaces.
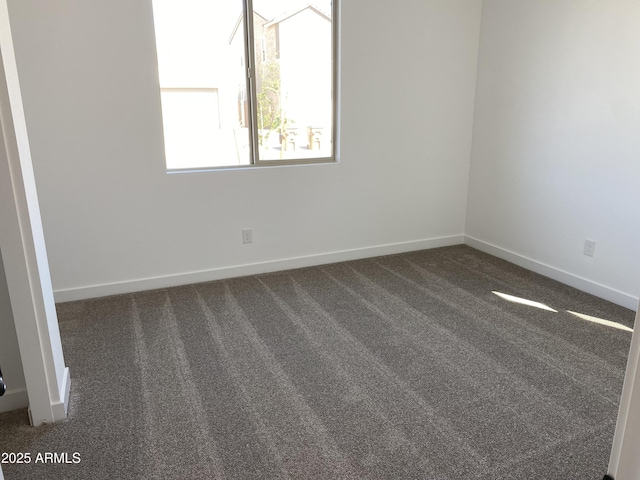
{"x":250,"y":60}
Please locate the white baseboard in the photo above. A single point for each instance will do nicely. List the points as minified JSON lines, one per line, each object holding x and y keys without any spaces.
{"x":14,"y":399}
{"x":129,"y":286}
{"x":61,"y":408}
{"x":611,"y":294}
{"x":94,"y":291}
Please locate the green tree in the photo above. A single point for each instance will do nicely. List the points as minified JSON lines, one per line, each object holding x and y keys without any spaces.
{"x":269,"y":97}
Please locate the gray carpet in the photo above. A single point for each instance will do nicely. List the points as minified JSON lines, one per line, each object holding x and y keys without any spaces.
{"x":398,"y":367}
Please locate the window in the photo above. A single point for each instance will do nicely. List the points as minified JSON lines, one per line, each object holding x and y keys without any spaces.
{"x":246,"y":82}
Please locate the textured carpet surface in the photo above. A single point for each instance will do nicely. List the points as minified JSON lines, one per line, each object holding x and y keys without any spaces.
{"x":400,"y":367}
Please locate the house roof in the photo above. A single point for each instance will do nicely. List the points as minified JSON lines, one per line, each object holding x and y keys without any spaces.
{"x":281,"y":17}
{"x":239,"y":21}
{"x":290,"y":13}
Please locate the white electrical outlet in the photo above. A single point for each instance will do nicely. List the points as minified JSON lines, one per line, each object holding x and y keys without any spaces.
{"x":247,"y":235}
{"x":590,"y":248}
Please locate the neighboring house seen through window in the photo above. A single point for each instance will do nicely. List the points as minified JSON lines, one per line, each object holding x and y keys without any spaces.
{"x":238,"y":96}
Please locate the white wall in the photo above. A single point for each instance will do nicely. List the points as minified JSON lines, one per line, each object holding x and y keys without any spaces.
{"x":16,"y":395}
{"x":556,"y":144}
{"x":113,"y":218}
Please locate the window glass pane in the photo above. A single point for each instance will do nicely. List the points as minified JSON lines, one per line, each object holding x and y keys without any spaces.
{"x":293,"y":62}
{"x":209,"y":117}
{"x":200,"y":45}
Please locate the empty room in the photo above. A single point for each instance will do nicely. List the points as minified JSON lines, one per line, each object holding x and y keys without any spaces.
{"x":311,"y":240}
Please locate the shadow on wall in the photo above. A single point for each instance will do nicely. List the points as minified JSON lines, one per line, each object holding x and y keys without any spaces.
{"x":9,"y":352}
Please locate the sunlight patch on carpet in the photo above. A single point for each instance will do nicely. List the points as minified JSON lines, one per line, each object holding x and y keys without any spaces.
{"x":601,"y":321}
{"x":524,"y":301}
